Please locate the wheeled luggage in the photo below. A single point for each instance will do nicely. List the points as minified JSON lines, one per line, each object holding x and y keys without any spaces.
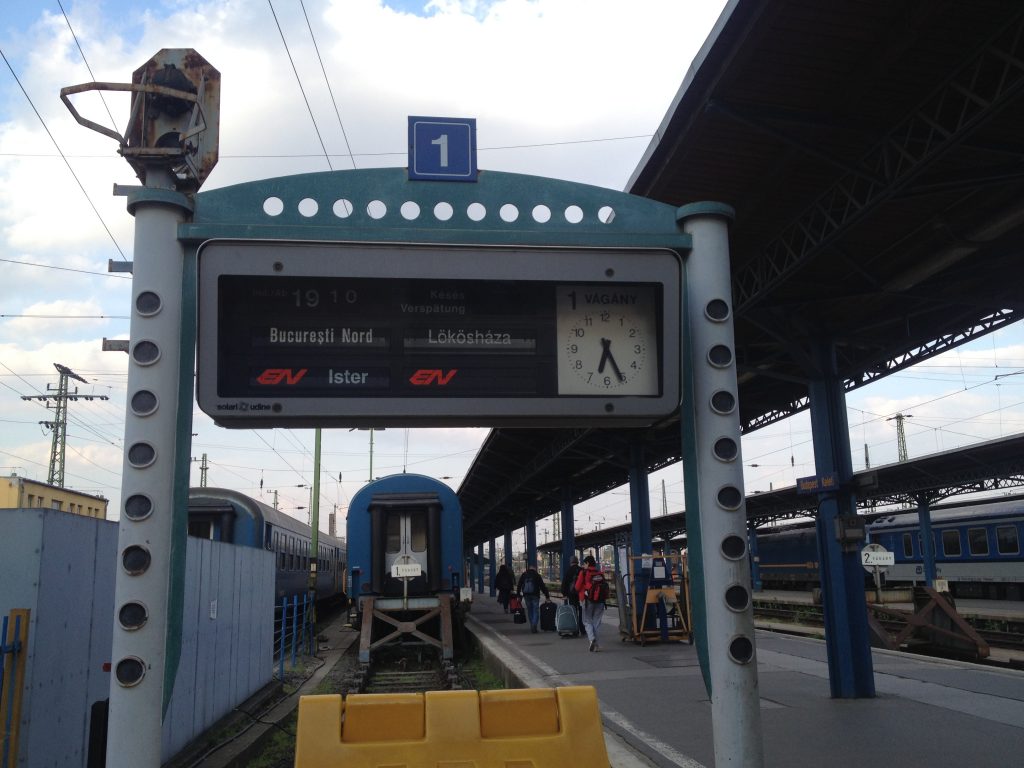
{"x":519,"y":615}
{"x":547,"y":617}
{"x":565,"y":621}
{"x":514,"y":603}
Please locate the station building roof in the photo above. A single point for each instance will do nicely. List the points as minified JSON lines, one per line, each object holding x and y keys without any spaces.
{"x":872,"y":152}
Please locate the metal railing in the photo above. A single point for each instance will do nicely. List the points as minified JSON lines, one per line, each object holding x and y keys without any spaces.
{"x":293,"y":630}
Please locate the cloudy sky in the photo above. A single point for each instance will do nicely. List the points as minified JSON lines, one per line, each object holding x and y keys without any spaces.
{"x":571,"y":89}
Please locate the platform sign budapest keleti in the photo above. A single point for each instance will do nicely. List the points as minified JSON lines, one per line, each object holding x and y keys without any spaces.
{"x":365,"y":334}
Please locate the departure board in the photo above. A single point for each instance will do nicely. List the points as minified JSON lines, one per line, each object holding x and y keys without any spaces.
{"x":356,"y":334}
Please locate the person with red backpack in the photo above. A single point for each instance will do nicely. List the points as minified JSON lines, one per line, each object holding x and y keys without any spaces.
{"x":592,"y":588}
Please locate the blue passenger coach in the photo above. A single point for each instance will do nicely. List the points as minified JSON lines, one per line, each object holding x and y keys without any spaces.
{"x":977,"y":548}
{"x":221,"y":514}
{"x":405,"y":555}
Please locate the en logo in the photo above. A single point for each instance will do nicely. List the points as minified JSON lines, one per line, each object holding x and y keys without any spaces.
{"x":424,"y":377}
{"x":274,"y":376}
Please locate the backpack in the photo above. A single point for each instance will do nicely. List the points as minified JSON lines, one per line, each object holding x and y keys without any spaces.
{"x":598,"y":591}
{"x":530,"y":584}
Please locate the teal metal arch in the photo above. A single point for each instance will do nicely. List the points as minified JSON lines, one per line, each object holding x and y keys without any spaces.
{"x":336,"y":206}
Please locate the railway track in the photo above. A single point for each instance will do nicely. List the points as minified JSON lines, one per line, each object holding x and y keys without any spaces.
{"x":404,"y":670}
{"x":812,"y":616}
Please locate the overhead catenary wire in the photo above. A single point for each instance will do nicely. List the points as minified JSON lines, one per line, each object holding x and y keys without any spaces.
{"x":63,"y":157}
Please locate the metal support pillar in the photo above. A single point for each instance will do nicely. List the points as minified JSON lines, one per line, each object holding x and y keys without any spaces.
{"x":480,"y":567}
{"x":715,"y":510}
{"x":154,"y":484}
{"x":493,"y":570}
{"x":508,"y":545}
{"x":531,"y":542}
{"x":924,"y":515}
{"x":842,"y":578}
{"x":640,"y":517}
{"x":568,"y":530}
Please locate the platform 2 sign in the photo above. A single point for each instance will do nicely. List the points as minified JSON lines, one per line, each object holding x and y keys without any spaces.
{"x":362,"y":334}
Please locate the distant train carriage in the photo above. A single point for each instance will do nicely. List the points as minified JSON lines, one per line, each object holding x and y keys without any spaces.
{"x":221,"y":514}
{"x":404,"y":535}
{"x":977,"y":550}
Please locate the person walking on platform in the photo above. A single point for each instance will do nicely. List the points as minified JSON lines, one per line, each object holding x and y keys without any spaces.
{"x":504,"y":582}
{"x":592,"y":589}
{"x":531,"y":585}
{"x":570,"y":593}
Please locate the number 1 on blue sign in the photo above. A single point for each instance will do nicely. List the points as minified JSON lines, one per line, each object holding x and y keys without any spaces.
{"x":442,"y":142}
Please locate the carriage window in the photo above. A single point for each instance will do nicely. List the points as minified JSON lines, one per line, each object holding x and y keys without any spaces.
{"x":1007,"y":542}
{"x":951,"y":543}
{"x":908,"y":546}
{"x":418,"y":532}
{"x":394,"y":534}
{"x":977,"y":541}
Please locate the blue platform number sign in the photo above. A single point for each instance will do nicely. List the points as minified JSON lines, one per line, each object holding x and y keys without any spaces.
{"x":442,"y":148}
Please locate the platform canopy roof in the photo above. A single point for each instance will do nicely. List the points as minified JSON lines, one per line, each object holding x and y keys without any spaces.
{"x":874,"y":156}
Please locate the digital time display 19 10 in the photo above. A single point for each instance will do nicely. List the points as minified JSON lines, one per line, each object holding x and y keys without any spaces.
{"x":415,"y":335}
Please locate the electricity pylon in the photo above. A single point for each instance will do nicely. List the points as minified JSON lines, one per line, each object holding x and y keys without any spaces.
{"x":901,"y":437}
{"x":59,"y":425}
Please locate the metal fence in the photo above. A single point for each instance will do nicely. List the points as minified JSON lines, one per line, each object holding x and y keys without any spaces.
{"x":293,"y":630}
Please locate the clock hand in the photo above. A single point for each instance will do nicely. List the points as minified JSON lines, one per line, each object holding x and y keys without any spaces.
{"x":606,"y":355}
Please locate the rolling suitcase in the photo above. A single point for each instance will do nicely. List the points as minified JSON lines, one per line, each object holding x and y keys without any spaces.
{"x":519,"y":615}
{"x":547,"y":617}
{"x":565,"y":621}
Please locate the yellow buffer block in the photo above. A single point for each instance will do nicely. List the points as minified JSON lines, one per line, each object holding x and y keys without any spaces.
{"x":521,"y":728}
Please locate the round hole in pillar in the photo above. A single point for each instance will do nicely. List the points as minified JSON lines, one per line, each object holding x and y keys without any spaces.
{"x":720,"y":356}
{"x":726,"y":449}
{"x":144,"y":403}
{"x":717,"y":310}
{"x":273,"y":206}
{"x":737,"y":597}
{"x":147,"y":303}
{"x":130,"y":671}
{"x":541,"y":214}
{"x":132,"y":616}
{"x":734,"y":547}
{"x":741,"y":649}
{"x":138,"y":507}
{"x":136,"y":559}
{"x":343,"y":208}
{"x":730,"y":498}
{"x":476,"y":211}
{"x":508,"y":213}
{"x":141,"y":455}
{"x":723,"y":402}
{"x":574,"y":214}
{"x":376,"y":209}
{"x":145,"y":352}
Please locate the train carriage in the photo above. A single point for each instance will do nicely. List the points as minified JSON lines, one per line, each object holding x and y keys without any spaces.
{"x":221,"y":514}
{"x":404,"y":536}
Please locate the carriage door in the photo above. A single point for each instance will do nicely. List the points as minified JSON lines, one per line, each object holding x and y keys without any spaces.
{"x":405,"y":544}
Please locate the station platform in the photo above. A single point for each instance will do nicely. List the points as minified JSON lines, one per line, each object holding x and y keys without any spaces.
{"x":656,"y":711}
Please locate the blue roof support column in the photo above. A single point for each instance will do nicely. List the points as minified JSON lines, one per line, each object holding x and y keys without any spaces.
{"x":842,"y":577}
{"x":531,"y":542}
{"x":640,"y":517}
{"x":508,"y":544}
{"x":480,"y":567}
{"x":493,"y":570}
{"x":568,"y":531}
{"x":924,"y":515}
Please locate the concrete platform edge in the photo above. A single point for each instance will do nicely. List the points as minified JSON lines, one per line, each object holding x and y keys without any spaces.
{"x":518,"y":671}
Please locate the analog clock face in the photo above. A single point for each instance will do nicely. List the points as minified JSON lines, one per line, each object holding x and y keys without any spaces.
{"x":607,"y":340}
